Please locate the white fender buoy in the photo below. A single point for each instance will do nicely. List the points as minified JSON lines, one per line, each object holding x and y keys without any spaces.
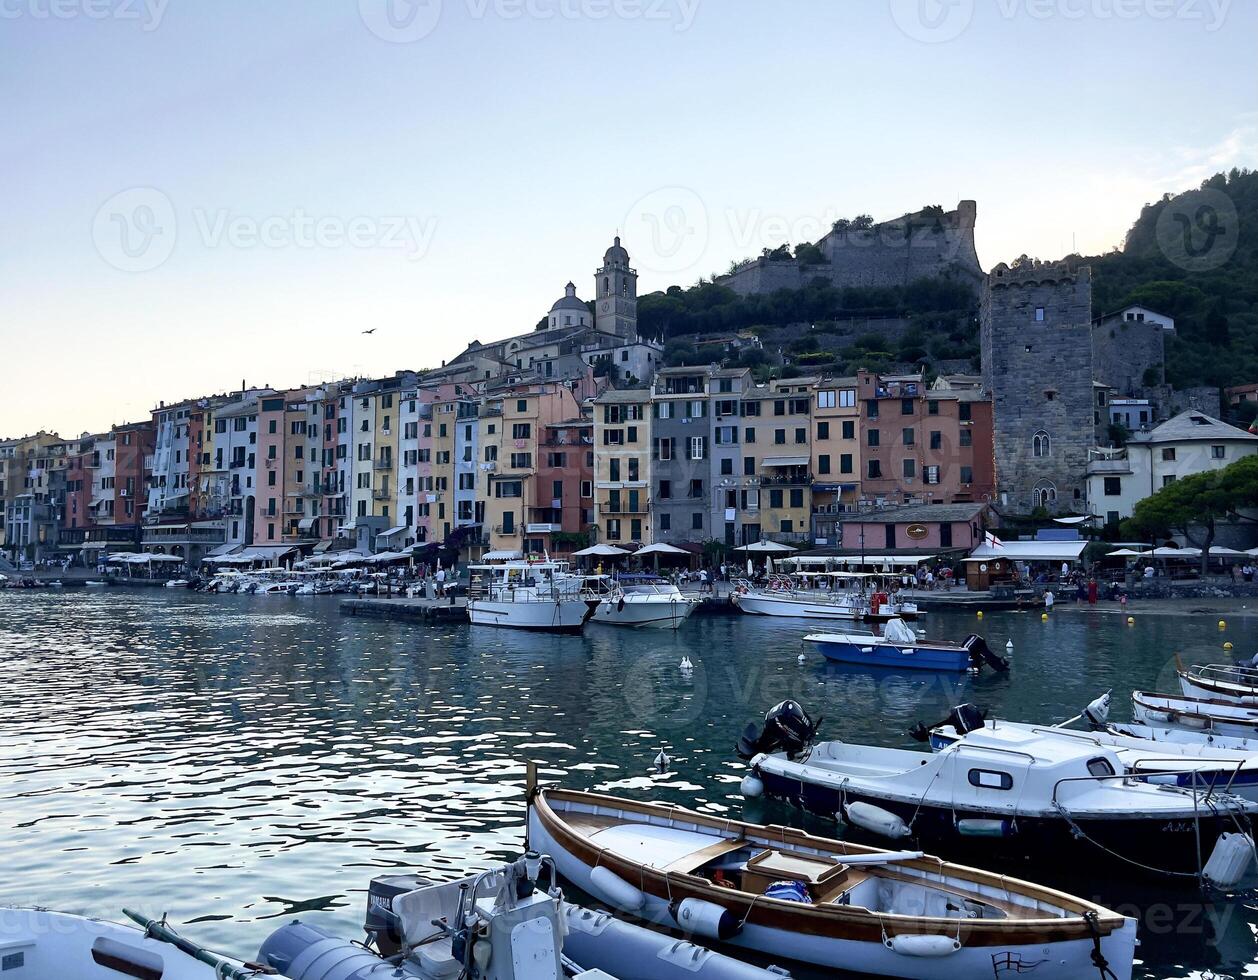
{"x":1008,"y":644}
{"x":923,"y":945}
{"x":614,"y":890}
{"x":800,"y":658}
{"x":752,"y":786}
{"x":876,"y":820}
{"x":662,"y":761}
{"x":1230,"y":859}
{"x":685,"y":663}
{"x":700,"y":918}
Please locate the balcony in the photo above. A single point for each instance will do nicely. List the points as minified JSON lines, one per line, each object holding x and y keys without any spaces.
{"x":381,"y":495}
{"x":542,"y":528}
{"x":787,"y":480}
{"x":382,"y":463}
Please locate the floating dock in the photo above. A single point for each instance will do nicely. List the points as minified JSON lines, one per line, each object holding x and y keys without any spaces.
{"x":412,"y":610}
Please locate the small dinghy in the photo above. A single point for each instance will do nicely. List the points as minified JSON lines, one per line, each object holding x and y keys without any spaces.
{"x":1183,"y":763}
{"x":900,"y":647}
{"x":998,"y":794}
{"x":1218,"y":717}
{"x":830,"y":904}
{"x":1221,"y":682}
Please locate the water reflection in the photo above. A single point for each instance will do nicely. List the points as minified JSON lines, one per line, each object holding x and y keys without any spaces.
{"x":236,"y":759}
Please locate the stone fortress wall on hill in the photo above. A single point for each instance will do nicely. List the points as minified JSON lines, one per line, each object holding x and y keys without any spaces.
{"x":922,"y":245}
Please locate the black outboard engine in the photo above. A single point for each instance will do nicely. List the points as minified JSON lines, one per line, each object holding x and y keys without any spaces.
{"x":787,"y":728}
{"x":981,"y":654}
{"x":964,"y":718}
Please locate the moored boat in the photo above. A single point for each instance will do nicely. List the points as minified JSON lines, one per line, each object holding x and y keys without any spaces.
{"x":831,"y":904}
{"x":1176,"y":763}
{"x":1223,"y":682}
{"x":1218,"y":717}
{"x":998,"y":794}
{"x":899,"y":647}
{"x":533,"y":595}
{"x":651,"y":605}
{"x":820,"y":595}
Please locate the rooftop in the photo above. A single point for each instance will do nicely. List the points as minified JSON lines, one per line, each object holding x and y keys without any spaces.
{"x":1193,"y":427}
{"x":918,"y":513}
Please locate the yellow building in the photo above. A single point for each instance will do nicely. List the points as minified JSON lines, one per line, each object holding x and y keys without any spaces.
{"x":777,"y":445}
{"x":622,"y":466}
{"x":836,"y":455}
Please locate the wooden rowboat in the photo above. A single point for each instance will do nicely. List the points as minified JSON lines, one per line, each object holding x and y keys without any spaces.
{"x":898,"y":914}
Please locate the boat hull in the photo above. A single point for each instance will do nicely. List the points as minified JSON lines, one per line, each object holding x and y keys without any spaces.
{"x":559,"y":616}
{"x":795,"y":607}
{"x":663,"y":614}
{"x":1158,"y":844}
{"x":875,"y":652}
{"x":804,"y":936}
{"x":1195,"y":715}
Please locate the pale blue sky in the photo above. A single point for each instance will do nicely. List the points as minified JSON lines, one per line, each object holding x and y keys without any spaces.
{"x":481,"y":166}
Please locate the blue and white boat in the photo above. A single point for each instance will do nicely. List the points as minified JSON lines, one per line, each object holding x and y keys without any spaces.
{"x":900,"y":647}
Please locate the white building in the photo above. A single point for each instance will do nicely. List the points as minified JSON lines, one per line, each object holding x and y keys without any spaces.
{"x":1191,"y":442}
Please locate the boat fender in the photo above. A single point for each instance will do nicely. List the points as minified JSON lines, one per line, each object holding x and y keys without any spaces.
{"x":923,"y":945}
{"x":1229,"y":860}
{"x":876,"y":820}
{"x":699,"y":918}
{"x":752,"y":786}
{"x":302,"y":952}
{"x":620,"y":606}
{"x":1163,"y":779}
{"x":613,"y":889}
{"x":977,"y":827}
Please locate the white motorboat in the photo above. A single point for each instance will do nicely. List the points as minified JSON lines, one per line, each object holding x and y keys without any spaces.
{"x":645,"y":606}
{"x":1218,"y":717}
{"x":93,"y":584}
{"x":1223,"y":682}
{"x":1177,"y":763}
{"x":533,"y":595}
{"x":1000,"y":793}
{"x":830,"y":904}
{"x":177,"y":583}
{"x":820,"y":595}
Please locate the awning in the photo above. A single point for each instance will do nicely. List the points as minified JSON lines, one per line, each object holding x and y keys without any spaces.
{"x":501,"y":556}
{"x":1032,"y":550}
{"x":306,"y":523}
{"x":391,"y":532}
{"x":223,"y":549}
{"x":323,"y":546}
{"x":266,"y":552}
{"x":786,"y":461}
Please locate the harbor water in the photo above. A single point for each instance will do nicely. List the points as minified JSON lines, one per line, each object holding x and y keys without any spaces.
{"x":236,"y":761}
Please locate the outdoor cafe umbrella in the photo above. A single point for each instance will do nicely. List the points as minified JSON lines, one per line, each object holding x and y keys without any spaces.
{"x":767,"y":547}
{"x":661,"y":549}
{"x":600,"y":551}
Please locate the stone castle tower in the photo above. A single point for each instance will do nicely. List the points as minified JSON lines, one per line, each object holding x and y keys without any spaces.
{"x":1036,"y":334}
{"x":616,"y":295}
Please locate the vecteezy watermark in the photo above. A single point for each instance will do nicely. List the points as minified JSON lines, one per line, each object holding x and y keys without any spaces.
{"x":932,"y":21}
{"x":406,"y":21}
{"x":936,"y":21}
{"x":400,"y":21}
{"x":136,"y":230}
{"x":670,"y":226}
{"x":147,"y":13}
{"x":1199,"y":231}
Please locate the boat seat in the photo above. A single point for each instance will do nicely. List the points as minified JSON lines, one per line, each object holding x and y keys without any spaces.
{"x":822,"y":877}
{"x":416,"y":909}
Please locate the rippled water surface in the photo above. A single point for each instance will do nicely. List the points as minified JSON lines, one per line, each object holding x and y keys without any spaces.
{"x":236,"y":759}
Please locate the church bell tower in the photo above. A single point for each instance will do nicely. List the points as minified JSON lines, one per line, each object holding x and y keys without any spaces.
{"x":616,"y":295}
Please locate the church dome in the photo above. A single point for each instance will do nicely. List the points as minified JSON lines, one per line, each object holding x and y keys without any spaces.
{"x":616,"y":253}
{"x":569,"y":301}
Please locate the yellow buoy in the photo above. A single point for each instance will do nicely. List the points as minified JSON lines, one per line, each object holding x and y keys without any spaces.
{"x":1222,"y":624}
{"x":979,"y":614}
{"x":1227,"y":646}
{"x":1131,"y":620}
{"x":1043,"y":617}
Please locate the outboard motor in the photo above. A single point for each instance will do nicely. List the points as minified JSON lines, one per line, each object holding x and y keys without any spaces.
{"x":787,"y":728}
{"x":1096,"y":714}
{"x":981,"y":654}
{"x":964,"y":718}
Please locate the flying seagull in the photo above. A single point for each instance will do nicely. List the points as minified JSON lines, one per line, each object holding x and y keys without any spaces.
{"x":372,"y":330}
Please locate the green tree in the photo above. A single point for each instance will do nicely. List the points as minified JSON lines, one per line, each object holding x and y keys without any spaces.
{"x":1194,"y":505}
